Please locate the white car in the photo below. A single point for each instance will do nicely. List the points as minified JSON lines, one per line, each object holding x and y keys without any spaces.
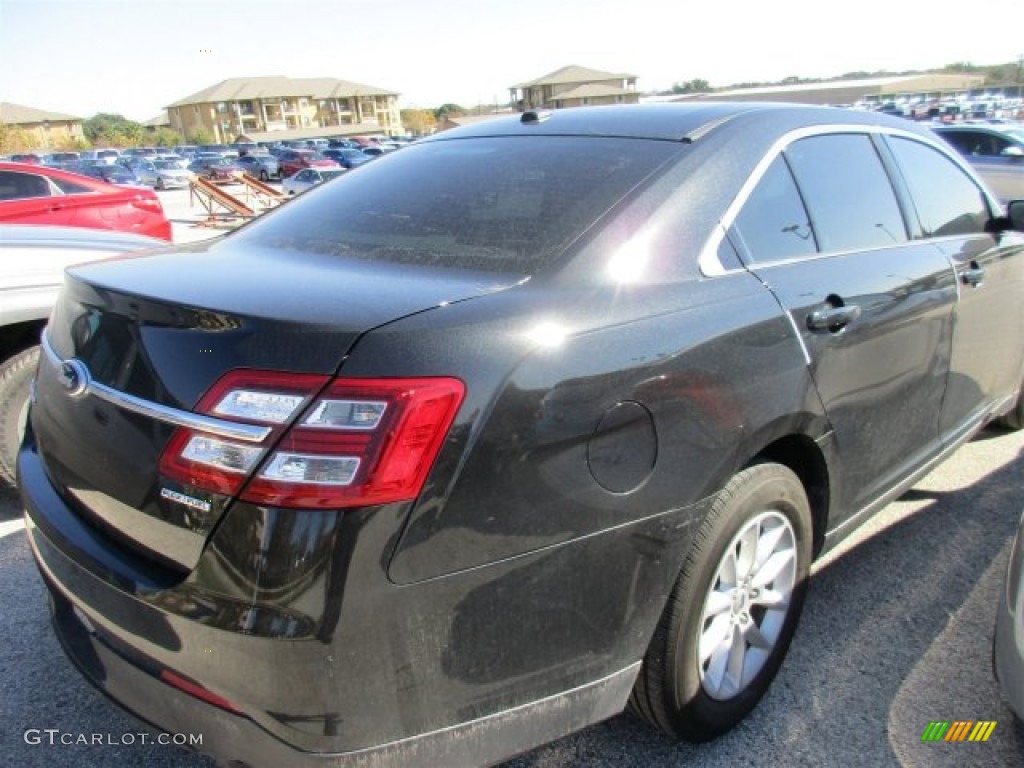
{"x":308,"y":178}
{"x":32,"y":262}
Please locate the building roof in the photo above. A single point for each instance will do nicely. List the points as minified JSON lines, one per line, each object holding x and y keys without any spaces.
{"x":159,"y":121}
{"x":358,"y":129}
{"x":15,"y":114}
{"x":575,"y":74}
{"x":870,"y":85}
{"x":246,"y":88}
{"x":593,"y":91}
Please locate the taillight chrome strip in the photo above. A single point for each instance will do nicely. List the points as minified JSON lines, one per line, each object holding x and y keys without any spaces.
{"x":246,"y":433}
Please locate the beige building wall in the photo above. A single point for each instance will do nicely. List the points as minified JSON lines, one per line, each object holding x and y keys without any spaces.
{"x":225,"y":120}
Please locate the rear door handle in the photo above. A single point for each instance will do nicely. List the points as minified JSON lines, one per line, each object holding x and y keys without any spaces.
{"x":833,"y":319}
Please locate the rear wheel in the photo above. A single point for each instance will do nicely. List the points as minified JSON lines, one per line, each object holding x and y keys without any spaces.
{"x":15,"y":385}
{"x":264,"y":176}
{"x":734,"y":608}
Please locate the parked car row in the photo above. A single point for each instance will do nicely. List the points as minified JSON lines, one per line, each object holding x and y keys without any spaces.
{"x":568,"y":428}
{"x":995,"y":150}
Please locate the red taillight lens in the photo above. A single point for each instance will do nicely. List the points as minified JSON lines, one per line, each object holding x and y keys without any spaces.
{"x":222,"y":465}
{"x":362,"y":441}
{"x":195,"y":689}
{"x":148,"y":203}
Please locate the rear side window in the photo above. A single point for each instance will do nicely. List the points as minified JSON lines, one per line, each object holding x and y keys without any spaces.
{"x":948,"y":202}
{"x":71,"y":187}
{"x":846,"y":189}
{"x":498,"y":204}
{"x":773,"y":224}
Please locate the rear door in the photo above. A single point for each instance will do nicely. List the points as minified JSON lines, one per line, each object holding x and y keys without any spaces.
{"x":824,"y":229}
{"x":28,"y":198}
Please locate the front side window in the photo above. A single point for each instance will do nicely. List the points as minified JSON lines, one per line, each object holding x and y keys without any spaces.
{"x":847,"y":192}
{"x":948,"y":202}
{"x":773,"y":223}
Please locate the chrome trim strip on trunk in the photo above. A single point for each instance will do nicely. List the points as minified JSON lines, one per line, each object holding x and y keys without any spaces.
{"x":247,"y":433}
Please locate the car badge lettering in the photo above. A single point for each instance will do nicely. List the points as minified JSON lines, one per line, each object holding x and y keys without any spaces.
{"x":188,"y":501}
{"x":74,"y":377}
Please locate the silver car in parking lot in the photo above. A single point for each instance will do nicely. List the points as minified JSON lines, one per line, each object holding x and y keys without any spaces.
{"x":262,"y":167}
{"x":162,"y":173}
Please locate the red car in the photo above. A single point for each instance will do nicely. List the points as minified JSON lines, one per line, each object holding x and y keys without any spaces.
{"x":292,"y":161}
{"x":33,"y":194}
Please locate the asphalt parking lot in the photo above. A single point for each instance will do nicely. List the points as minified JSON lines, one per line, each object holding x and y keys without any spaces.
{"x":896,"y":633}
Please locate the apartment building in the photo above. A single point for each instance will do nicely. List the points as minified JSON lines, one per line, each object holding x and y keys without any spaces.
{"x":50,"y":130}
{"x":266,"y":105}
{"x":575,"y":86}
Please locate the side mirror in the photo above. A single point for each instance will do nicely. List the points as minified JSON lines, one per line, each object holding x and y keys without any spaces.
{"x":1015,"y":152}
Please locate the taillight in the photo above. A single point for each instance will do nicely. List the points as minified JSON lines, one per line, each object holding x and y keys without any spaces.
{"x":359,"y":442}
{"x":220,"y":464}
{"x":363,"y":441}
{"x":148,"y":203}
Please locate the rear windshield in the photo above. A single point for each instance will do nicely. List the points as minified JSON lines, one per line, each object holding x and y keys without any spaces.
{"x":496,"y":204}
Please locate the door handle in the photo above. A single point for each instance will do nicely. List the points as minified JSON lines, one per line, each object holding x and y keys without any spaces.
{"x":973,"y":276}
{"x":833,"y":319}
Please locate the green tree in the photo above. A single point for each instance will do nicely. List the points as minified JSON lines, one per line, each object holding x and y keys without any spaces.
{"x":104,"y":128}
{"x":14,"y":139}
{"x":200,"y":136}
{"x":445,"y":111}
{"x":692,"y":86}
{"x":165,"y":137}
{"x":418,"y":121}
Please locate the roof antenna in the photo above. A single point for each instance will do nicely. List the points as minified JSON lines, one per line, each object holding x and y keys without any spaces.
{"x":535,"y":116}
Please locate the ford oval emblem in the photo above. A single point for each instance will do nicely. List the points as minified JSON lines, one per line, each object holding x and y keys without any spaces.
{"x":74,"y":377}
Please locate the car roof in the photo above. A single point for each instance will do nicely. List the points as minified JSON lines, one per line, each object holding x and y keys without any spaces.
{"x":664,"y":121}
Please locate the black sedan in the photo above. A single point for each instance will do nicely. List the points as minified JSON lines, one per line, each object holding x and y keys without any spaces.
{"x":528,"y":422}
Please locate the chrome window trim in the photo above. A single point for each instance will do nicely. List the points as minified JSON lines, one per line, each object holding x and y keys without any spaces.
{"x":247,"y":433}
{"x":708,"y":261}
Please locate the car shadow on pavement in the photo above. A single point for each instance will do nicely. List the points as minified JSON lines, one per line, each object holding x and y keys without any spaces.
{"x":896,"y":632}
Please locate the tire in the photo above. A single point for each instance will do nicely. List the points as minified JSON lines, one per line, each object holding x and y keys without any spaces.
{"x":15,"y":384}
{"x":160,"y":184}
{"x":688,"y":685}
{"x":264,"y":176}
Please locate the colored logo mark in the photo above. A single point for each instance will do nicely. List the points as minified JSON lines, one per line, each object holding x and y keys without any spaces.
{"x":958,"y":730}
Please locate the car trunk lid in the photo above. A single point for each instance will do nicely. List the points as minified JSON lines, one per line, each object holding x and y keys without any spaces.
{"x":135,"y":344}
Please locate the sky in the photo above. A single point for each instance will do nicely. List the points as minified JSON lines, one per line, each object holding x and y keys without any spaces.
{"x":134,"y":57}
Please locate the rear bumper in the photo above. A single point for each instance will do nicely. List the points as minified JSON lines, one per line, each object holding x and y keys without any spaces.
{"x":238,"y":741}
{"x":467,"y":669}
